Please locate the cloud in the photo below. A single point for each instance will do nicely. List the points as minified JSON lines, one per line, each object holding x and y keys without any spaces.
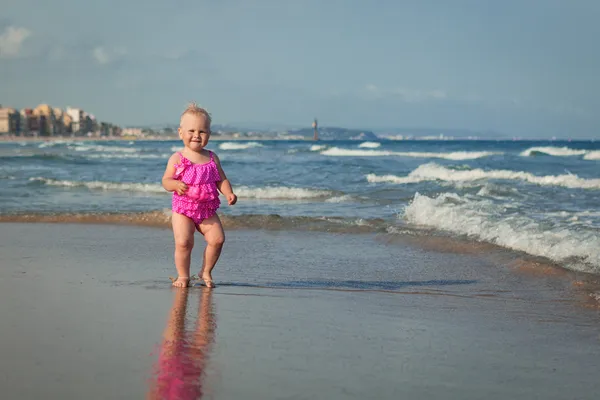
{"x":105,"y":56}
{"x":11,"y":41}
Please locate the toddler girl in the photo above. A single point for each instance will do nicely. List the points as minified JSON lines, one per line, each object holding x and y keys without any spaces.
{"x":195,"y":177}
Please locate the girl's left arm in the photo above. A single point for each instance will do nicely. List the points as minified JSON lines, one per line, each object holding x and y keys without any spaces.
{"x":224,"y":185}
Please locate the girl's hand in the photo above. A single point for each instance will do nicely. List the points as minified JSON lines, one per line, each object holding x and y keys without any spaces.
{"x":181,"y":188}
{"x":231,"y":199}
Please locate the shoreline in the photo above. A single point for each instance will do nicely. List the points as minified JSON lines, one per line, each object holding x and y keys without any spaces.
{"x":221,"y":137}
{"x":585,"y":286}
{"x":214,"y":137}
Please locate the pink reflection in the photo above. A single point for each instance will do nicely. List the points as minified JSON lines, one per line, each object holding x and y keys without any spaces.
{"x":184,"y":354}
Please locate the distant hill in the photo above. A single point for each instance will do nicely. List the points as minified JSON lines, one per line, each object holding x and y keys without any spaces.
{"x":335,"y":133}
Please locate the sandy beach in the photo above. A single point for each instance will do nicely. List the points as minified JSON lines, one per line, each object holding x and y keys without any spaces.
{"x":88,"y":312}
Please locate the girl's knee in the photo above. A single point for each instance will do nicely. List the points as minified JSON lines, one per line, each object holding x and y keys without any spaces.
{"x":184,"y":244}
{"x":217,"y":240}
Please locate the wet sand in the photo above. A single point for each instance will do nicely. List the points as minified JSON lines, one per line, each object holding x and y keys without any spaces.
{"x":87,"y":312}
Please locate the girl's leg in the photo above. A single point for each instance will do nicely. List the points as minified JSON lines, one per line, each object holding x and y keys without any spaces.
{"x":213,"y":233}
{"x":183,"y":232}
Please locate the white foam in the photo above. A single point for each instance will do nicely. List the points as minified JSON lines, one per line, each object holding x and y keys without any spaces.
{"x":496,"y":191}
{"x":340,"y":199}
{"x":433,"y":171}
{"x":99,"y":185}
{"x":592,"y":155}
{"x":482,"y":220}
{"x":100,"y":148}
{"x":457,"y":155}
{"x":369,"y":145}
{"x":280,"y":193}
{"x":553,"y":151}
{"x":317,"y":147}
{"x":239,"y":146}
{"x":372,"y":178}
{"x":53,"y":143}
{"x":563,"y":152}
{"x":129,"y":156}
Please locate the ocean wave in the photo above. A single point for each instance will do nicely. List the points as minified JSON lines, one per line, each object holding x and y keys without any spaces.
{"x":132,"y":156}
{"x":340,"y":199}
{"x":496,"y":191}
{"x":592,"y":155}
{"x":281,"y":193}
{"x":433,"y":171}
{"x":239,"y":146}
{"x":101,"y":148}
{"x":53,"y":143}
{"x":456,"y":155}
{"x":265,"y":193}
{"x":369,"y":145}
{"x":484,"y":221}
{"x":44,"y":156}
{"x":317,"y":147}
{"x":561,"y":152}
{"x":99,"y":185}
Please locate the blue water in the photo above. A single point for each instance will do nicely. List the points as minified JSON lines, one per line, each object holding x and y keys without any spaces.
{"x":538,"y":197}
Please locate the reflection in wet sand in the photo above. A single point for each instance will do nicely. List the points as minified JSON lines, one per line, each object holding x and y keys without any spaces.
{"x":184,"y":354}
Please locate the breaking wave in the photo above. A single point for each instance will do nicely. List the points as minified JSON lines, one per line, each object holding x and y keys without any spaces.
{"x":457,"y":155}
{"x":433,"y":171}
{"x":239,"y":146}
{"x":562,"y":152}
{"x":484,"y":221}
{"x":99,"y":185}
{"x":369,"y":145}
{"x":100,"y":148}
{"x":317,"y":147}
{"x":266,"y":193}
{"x":592,"y":155}
{"x":281,"y":193}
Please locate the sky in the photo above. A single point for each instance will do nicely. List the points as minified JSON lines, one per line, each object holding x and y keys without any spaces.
{"x":525,"y":68}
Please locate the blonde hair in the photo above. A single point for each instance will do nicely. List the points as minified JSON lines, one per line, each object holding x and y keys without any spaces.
{"x":193,"y":109}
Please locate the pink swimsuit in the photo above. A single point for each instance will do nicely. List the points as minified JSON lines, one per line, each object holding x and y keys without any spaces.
{"x":201,"y":200}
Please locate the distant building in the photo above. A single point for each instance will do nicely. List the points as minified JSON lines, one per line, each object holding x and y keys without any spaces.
{"x":32,"y":124}
{"x":132,"y":132}
{"x":67,"y":123}
{"x":59,"y":117}
{"x":47,"y":120}
{"x":44,"y":120}
{"x":78,"y":123}
{"x":9,"y":120}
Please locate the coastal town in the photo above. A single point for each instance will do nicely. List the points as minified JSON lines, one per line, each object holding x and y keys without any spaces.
{"x":45,"y":121}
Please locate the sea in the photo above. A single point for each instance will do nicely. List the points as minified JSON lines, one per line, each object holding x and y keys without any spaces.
{"x":540,"y":198}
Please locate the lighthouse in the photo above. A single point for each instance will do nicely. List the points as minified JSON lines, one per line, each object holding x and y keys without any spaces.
{"x":315,"y":126}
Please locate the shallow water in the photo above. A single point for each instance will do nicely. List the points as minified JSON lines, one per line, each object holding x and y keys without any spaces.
{"x":537,"y":197}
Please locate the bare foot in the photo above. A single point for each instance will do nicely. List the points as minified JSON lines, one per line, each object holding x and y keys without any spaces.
{"x":207,"y":278}
{"x":181,"y":281}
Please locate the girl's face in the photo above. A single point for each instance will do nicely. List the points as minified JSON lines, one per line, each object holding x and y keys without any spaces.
{"x":194,"y":131}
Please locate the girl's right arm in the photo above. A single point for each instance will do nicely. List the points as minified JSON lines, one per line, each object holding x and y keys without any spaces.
{"x":168,"y":182}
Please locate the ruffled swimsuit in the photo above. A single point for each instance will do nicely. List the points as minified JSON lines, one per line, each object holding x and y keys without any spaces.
{"x":201,"y":200}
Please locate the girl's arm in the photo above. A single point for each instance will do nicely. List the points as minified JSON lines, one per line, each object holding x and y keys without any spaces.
{"x":168,"y":182}
{"x":224,"y":185}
